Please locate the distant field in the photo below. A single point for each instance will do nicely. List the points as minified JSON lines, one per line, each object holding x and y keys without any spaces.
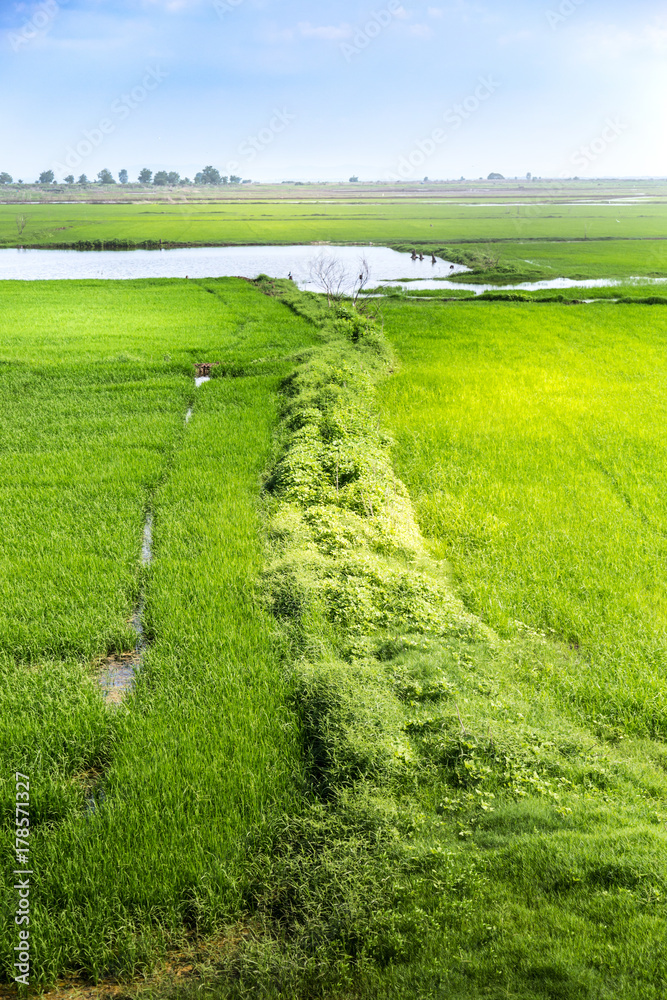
{"x":532,"y":441}
{"x":438,"y":223}
{"x":481,"y":190}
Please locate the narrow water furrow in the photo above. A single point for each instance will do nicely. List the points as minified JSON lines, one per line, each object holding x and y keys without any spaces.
{"x":119,"y":671}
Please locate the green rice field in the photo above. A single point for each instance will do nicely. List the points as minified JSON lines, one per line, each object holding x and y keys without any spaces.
{"x":532,"y":442}
{"x":398,"y":727}
{"x":543,"y":240}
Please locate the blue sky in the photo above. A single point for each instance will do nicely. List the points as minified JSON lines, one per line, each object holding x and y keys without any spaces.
{"x":320,"y":91}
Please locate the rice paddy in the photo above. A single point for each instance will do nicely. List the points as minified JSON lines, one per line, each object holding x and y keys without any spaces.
{"x":398,"y":728}
{"x":549,"y":239}
{"x":532,"y":443}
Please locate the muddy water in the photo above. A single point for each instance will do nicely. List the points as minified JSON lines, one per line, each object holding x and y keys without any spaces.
{"x":119,"y":670}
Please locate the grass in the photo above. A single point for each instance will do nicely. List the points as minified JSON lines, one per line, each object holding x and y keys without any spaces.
{"x":87,"y":448}
{"x":538,"y":472}
{"x":467,"y":838}
{"x":83,"y":450}
{"x":129,"y":322}
{"x":333,"y":779}
{"x":216,"y":744}
{"x":468,"y":192}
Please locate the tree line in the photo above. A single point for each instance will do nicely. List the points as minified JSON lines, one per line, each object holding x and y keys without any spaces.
{"x":161,"y":178}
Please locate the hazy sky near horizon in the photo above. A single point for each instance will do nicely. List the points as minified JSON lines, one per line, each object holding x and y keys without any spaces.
{"x":320,"y":91}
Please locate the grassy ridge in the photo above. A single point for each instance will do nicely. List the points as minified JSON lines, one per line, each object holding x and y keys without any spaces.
{"x":531,"y":443}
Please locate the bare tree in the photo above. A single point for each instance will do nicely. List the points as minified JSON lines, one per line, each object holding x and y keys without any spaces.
{"x":329,"y":273}
{"x":362,"y":279}
{"x":21,"y":223}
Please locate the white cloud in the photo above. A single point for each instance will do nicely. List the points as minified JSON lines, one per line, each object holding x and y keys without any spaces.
{"x":435,"y":12}
{"x":328,"y":32}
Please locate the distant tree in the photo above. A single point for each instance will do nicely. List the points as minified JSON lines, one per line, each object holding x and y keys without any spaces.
{"x":426,"y":180}
{"x":145,"y":176}
{"x":106,"y":177}
{"x":495,"y":177}
{"x":173,"y":177}
{"x":69,"y":179}
{"x":354,"y":180}
{"x":82,"y":179}
{"x":46,"y":177}
{"x":210,"y":175}
{"x":21,"y":223}
{"x":6,"y":178}
{"x":185,"y":180}
{"x":161,"y":178}
{"x":529,"y":176}
{"x":122,"y":176}
{"x":233,"y":179}
{"x":224,"y":179}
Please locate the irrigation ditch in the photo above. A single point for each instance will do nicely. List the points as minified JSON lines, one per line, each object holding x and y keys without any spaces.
{"x":119,"y":670}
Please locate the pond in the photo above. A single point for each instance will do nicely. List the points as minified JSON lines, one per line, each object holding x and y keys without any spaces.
{"x":387,"y":267}
{"x":215,"y":262}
